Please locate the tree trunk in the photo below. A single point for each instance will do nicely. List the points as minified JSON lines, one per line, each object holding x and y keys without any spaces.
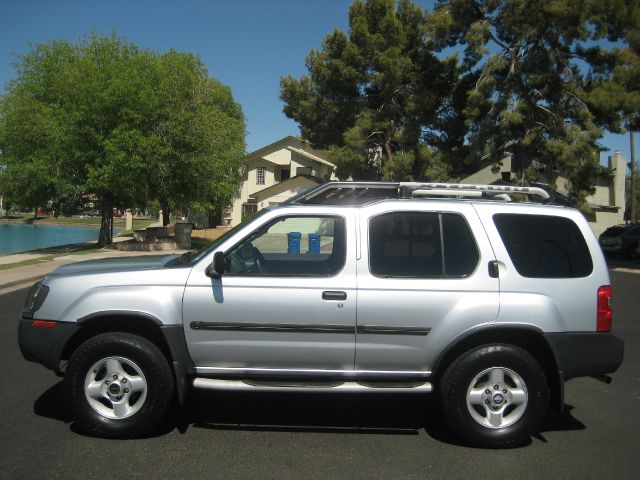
{"x":634,"y":179}
{"x":387,"y":147}
{"x":106,"y":222}
{"x":215,"y":218}
{"x":164,"y":205}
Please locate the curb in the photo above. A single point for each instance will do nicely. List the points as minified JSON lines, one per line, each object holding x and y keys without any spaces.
{"x":13,"y":283}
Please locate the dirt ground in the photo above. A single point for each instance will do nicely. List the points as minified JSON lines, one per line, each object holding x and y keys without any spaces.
{"x":208,"y":233}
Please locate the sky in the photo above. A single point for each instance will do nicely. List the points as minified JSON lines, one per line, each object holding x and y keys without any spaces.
{"x":246,"y":44}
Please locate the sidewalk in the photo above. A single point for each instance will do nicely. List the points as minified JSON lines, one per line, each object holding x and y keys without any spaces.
{"x":21,"y":277}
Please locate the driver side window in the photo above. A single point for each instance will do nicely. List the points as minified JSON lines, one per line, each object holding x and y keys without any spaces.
{"x":293,"y":246}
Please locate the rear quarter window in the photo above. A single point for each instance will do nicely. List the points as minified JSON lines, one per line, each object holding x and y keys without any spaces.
{"x":543,"y":246}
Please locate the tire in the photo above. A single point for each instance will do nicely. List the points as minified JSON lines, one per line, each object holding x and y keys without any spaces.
{"x":494,"y":396}
{"x":119,"y":385}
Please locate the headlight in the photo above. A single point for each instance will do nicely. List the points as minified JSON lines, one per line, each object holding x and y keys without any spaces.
{"x":35,"y":299}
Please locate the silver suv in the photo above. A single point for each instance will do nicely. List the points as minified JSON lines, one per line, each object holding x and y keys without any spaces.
{"x":350,"y":287}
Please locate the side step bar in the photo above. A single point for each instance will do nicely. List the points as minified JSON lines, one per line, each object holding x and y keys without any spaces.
{"x":347,"y":387}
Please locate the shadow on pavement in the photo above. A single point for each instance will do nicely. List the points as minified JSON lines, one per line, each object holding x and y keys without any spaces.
{"x":71,"y":247}
{"x":53,"y":404}
{"x":374,"y":414}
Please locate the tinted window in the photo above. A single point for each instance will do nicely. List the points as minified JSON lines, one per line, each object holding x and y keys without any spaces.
{"x":409,"y":244}
{"x":295,"y":245}
{"x":542,"y":246}
{"x":613,"y":232}
{"x":460,"y":249}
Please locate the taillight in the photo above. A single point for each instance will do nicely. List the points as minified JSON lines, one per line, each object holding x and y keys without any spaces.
{"x":605,"y":312}
{"x":44,"y":323}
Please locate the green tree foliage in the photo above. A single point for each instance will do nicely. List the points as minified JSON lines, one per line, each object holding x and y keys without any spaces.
{"x":373,"y":96}
{"x":536,"y":63}
{"x":615,"y":92}
{"x":197,"y":139}
{"x":105,"y":118}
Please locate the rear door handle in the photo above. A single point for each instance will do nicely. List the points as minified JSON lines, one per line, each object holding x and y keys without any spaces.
{"x":494,"y":271}
{"x":334,"y":295}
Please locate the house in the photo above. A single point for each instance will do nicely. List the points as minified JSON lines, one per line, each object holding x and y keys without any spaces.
{"x":277,"y":172}
{"x":290,"y":166}
{"x":607,"y":202}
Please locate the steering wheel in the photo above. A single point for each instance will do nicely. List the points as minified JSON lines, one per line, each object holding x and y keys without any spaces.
{"x":259,"y":260}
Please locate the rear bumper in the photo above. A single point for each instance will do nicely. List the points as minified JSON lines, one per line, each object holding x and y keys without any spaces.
{"x":581,"y":354}
{"x":44,"y":345}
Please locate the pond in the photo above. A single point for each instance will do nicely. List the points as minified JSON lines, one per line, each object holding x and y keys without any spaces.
{"x":16,"y":238}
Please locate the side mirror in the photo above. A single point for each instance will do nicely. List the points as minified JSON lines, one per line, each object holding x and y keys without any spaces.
{"x":216,"y":269}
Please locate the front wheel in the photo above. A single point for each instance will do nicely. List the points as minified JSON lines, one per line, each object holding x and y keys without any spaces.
{"x":119,"y":384}
{"x":494,"y":396}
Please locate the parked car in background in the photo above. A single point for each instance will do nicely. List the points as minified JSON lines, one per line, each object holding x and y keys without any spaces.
{"x":90,"y":213}
{"x":621,"y":239}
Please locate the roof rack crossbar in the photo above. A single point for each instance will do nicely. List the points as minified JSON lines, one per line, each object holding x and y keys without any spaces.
{"x":407,"y":189}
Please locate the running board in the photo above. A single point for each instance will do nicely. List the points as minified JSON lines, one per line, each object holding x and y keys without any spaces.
{"x":347,"y":387}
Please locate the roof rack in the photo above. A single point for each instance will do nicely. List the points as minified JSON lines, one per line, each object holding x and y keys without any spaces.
{"x":416,"y":189}
{"x":357,"y":192}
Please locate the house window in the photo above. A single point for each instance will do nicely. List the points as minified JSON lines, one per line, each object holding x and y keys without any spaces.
{"x":285,"y":174}
{"x":304,"y":171}
{"x":260,"y":174}
{"x":248,"y":209}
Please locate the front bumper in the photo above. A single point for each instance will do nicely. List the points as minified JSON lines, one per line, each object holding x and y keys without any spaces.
{"x":44,"y":345}
{"x":581,"y":354}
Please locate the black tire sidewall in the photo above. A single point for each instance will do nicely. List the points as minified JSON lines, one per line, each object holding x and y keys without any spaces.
{"x":455,"y":383}
{"x":151,"y":361}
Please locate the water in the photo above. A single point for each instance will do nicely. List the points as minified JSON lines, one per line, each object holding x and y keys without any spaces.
{"x":16,"y":238}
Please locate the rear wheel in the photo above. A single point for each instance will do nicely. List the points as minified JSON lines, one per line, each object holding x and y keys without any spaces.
{"x":119,"y":384}
{"x":494,"y":396}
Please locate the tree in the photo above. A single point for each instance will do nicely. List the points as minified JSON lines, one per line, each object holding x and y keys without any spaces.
{"x":615,"y":96}
{"x":121,"y":123}
{"x":372,"y":95}
{"x":533,"y":59}
{"x":197,"y":137}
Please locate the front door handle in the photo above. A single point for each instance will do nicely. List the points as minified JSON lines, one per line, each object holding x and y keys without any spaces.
{"x":334,"y":295}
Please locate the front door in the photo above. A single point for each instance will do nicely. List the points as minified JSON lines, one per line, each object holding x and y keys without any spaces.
{"x":286,"y":300}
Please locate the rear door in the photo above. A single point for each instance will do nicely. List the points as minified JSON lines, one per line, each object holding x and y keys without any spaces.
{"x":424,"y":276}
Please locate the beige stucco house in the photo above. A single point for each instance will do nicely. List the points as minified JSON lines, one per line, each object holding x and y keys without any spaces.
{"x":289,"y":166}
{"x":607,"y":203}
{"x":277,"y":172}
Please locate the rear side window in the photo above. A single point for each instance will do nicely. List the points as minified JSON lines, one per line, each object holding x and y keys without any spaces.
{"x":421,"y":245}
{"x":542,"y":246}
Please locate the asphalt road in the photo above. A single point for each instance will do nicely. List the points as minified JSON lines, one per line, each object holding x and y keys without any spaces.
{"x":319,"y":436}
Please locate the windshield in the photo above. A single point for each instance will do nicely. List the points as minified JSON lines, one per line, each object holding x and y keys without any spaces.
{"x":193,"y":256}
{"x":613,"y":231}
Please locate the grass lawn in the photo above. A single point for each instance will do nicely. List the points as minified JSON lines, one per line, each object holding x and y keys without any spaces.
{"x":47,"y":258}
